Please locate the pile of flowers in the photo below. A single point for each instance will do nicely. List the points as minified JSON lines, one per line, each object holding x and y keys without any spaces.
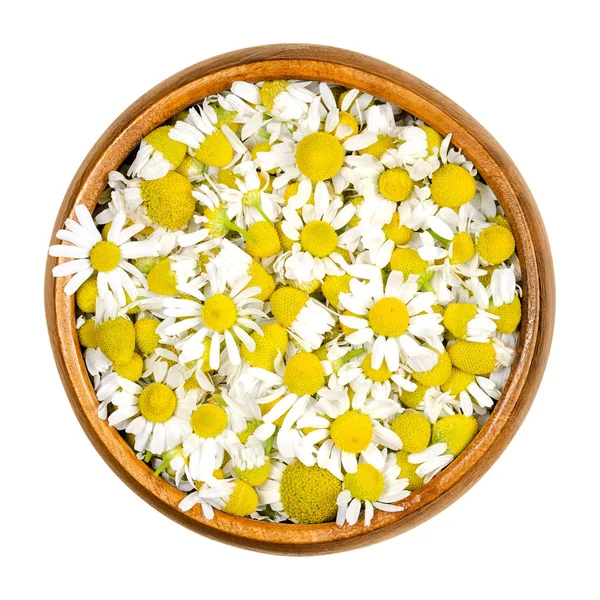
{"x":297,"y":303}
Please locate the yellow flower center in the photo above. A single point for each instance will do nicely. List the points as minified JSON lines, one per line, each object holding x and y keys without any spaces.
{"x":209,"y":420}
{"x":376,"y":375}
{"x":251,"y":198}
{"x":318,"y":238}
{"x":215,"y":150}
{"x":105,"y":256}
{"x":169,"y":200}
{"x":399,"y":234}
{"x":261,"y":278}
{"x":162,"y":280}
{"x":396,"y":184}
{"x":219,"y":312}
{"x":457,"y":431}
{"x":408,"y":261}
{"x":172,"y":150}
{"x":116,"y":339}
{"x":309,"y":494}
{"x":463,"y":248}
{"x":413,"y":399}
{"x":319,"y":156}
{"x":477,"y":358}
{"x":256,"y":476}
{"x":146,"y":337}
{"x":510,"y":315}
{"x":273,"y":341}
{"x":286,"y":304}
{"x":413,"y":429}
{"x":389,"y":317}
{"x":457,"y":317}
{"x":131,"y":370}
{"x":352,"y":432}
{"x":86,"y":295}
{"x":87,"y":334}
{"x":496,"y":244}
{"x":380,"y":147}
{"x":349,"y":121}
{"x":243,"y":500}
{"x":458,"y":382}
{"x":452,"y":186}
{"x":366,"y":484}
{"x":333,"y":286}
{"x":434,"y":139}
{"x":438,"y":375}
{"x":304,"y":374}
{"x":157,"y":402}
{"x":408,"y":471}
{"x":263,"y":240}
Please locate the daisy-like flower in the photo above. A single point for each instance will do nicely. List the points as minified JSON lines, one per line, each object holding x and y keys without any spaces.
{"x":392,"y":318}
{"x":315,"y":252}
{"x":431,"y":461}
{"x":217,"y":312}
{"x":475,"y":392}
{"x":349,"y":430}
{"x":210,"y":142}
{"x":156,"y":414}
{"x":108,"y":258}
{"x":372,"y":488}
{"x":210,"y":495}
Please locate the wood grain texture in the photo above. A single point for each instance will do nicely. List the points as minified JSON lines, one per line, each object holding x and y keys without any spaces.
{"x":394,"y":85}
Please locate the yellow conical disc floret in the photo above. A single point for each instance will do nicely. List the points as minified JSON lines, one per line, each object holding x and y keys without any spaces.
{"x":434,"y":139}
{"x":263,"y":240}
{"x":131,"y":370}
{"x":318,"y":238}
{"x":366,"y":484}
{"x":510,"y":315}
{"x":452,"y":186}
{"x":408,"y":471}
{"x":169,"y":200}
{"x":286,"y":304}
{"x":500,"y":220}
{"x":319,"y":156}
{"x":243,"y":500}
{"x":116,"y":339}
{"x":86,"y":295}
{"x":172,"y":150}
{"x":457,"y":431}
{"x":349,"y":121}
{"x":408,"y":261}
{"x":260,"y":147}
{"x":190,"y":167}
{"x":270,"y":90}
{"x":352,"y":432}
{"x":157,"y":402}
{"x":380,"y":147}
{"x":105,"y":256}
{"x":309,"y":494}
{"x":333,"y":286}
{"x":146,"y":337}
{"x":87,"y":334}
{"x":413,"y":429}
{"x":227,"y":177}
{"x":495,"y":244}
{"x":389,"y":317}
{"x":273,"y":341}
{"x":215,"y":150}
{"x":219,"y":312}
{"x":304,"y":374}
{"x":261,"y":278}
{"x":256,"y":476}
{"x":457,"y":316}
{"x":395,"y":184}
{"x":463,"y":248}
{"x":376,"y":375}
{"x":399,"y":234}
{"x":208,"y":420}
{"x":458,"y":382}
{"x":413,"y":399}
{"x":477,"y":358}
{"x":162,"y":280}
{"x":438,"y":375}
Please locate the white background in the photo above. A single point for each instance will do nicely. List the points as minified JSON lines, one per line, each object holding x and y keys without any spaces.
{"x":528,"y":71}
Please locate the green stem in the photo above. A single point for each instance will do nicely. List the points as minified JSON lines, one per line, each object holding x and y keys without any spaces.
{"x":263,"y":215}
{"x":231,"y":225}
{"x":147,"y":456}
{"x":270,"y":441}
{"x":439,"y":238}
{"x":163,"y":465}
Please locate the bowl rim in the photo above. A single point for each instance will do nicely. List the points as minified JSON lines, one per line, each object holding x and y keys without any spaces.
{"x":344,"y":67}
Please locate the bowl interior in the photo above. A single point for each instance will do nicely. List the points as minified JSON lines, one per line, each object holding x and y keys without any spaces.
{"x":380,"y":79}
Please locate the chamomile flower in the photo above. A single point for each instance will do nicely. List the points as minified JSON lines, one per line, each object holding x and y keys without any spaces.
{"x":108,"y":258}
{"x":217,"y":312}
{"x":156,"y":414}
{"x":372,"y":488}
{"x":157,"y":155}
{"x":315,"y":252}
{"x":392,"y":318}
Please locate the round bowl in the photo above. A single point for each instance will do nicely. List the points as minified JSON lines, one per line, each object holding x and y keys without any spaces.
{"x":389,"y":83}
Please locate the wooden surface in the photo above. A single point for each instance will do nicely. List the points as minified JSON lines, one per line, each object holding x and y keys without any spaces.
{"x":380,"y":79}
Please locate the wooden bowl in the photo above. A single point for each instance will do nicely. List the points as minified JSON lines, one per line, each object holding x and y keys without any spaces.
{"x":382,"y":80}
